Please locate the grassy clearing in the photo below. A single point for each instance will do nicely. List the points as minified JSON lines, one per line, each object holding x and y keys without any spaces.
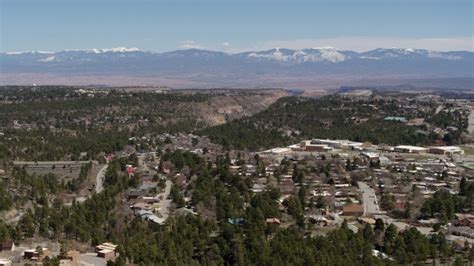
{"x":469,"y":165}
{"x":468,"y":150}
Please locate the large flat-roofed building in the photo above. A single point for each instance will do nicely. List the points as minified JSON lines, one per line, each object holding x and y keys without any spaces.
{"x":309,"y":146}
{"x":337,"y":144}
{"x":371,"y":155}
{"x":410,"y":149}
{"x":330,"y":143}
{"x":446,"y":150}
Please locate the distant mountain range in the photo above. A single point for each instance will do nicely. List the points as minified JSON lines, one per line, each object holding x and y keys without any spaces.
{"x":326,"y":65}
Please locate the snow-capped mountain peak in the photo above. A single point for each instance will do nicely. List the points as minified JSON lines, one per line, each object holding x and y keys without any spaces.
{"x":274,"y":54}
{"x":29,"y":52}
{"x":321,"y":54}
{"x":48,"y":59}
{"x":276,"y":58}
{"x":394,"y":52}
{"x":93,"y":50}
{"x":236,"y":67}
{"x":117,"y":50}
{"x":105,"y":50}
{"x":330,"y":54}
{"x":113,"y":50}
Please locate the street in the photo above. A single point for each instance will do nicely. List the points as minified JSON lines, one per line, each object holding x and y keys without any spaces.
{"x":470,"y":127}
{"x":99,"y":186}
{"x":371,"y":205}
{"x":165,"y":203}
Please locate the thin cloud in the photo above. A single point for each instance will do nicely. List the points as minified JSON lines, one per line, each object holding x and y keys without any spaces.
{"x":189,"y":44}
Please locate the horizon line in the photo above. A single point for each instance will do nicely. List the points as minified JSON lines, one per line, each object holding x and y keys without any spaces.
{"x":125,"y":49}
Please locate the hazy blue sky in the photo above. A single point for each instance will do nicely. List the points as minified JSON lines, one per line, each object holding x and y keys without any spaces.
{"x":232,"y":25}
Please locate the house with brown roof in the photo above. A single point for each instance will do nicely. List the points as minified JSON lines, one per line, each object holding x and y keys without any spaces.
{"x":464,"y":220}
{"x":353,"y":210}
{"x":106,"y":251}
{"x":7,"y":245}
{"x":72,"y":257}
{"x":36,"y":255}
{"x":286,"y":186}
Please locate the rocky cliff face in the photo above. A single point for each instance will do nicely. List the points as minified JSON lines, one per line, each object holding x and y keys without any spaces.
{"x":223,"y":108}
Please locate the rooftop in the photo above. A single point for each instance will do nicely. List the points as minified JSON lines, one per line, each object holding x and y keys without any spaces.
{"x":409,"y":147}
{"x":395,"y":118}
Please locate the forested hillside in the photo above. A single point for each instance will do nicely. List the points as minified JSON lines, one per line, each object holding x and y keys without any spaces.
{"x":57,"y":122}
{"x":291,"y":119}
{"x":196,"y":240}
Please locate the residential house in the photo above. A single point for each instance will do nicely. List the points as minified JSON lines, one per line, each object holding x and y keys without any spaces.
{"x":273,"y":221}
{"x":107,"y":251}
{"x":72,"y":257}
{"x":353,"y":210}
{"x":7,"y":245}
{"x":33,"y":254}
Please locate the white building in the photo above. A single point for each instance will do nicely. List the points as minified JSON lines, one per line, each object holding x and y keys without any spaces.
{"x":410,"y":149}
{"x":338,"y":144}
{"x":5,"y":262}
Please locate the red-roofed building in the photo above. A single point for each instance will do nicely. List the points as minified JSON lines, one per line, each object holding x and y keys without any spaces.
{"x":131,"y":170}
{"x":400,"y":205}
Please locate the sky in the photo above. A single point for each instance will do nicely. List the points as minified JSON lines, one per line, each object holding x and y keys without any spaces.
{"x":234,"y":26}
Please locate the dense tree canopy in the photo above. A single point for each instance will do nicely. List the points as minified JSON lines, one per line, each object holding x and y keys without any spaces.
{"x":291,"y":119}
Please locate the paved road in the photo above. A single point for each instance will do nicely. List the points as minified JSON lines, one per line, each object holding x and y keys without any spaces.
{"x":48,"y":163}
{"x":470,"y":127}
{"x":371,"y":205}
{"x":99,"y":186}
{"x":91,"y":259}
{"x":165,"y":203}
